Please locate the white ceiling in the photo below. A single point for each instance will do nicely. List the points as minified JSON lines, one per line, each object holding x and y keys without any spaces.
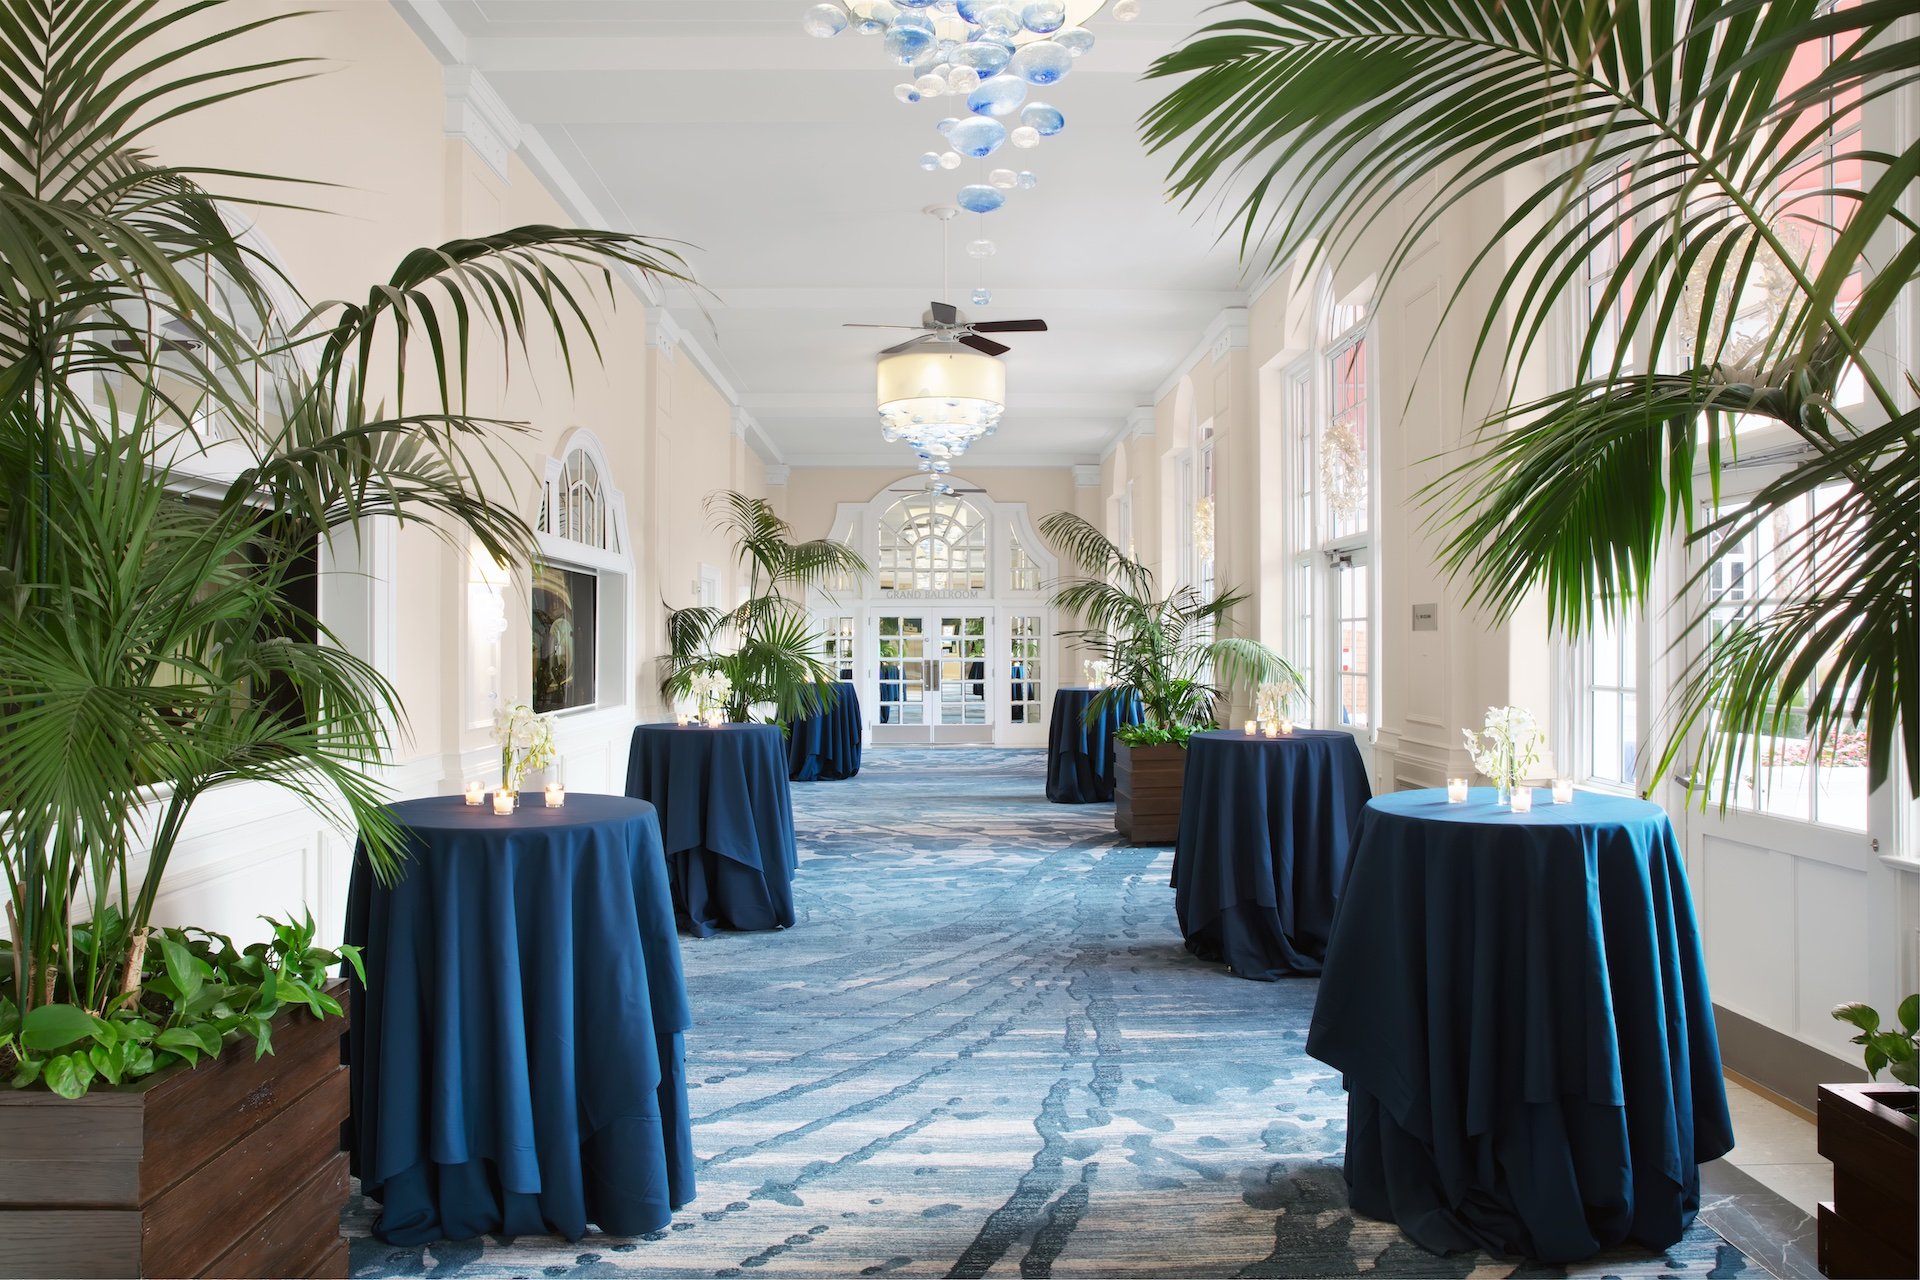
{"x":786,"y":161}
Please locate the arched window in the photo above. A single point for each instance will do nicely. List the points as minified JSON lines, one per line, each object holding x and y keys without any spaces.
{"x":1022,"y":573}
{"x":579,"y":587}
{"x":575,"y":508}
{"x":1330,"y":423}
{"x":933,"y":542}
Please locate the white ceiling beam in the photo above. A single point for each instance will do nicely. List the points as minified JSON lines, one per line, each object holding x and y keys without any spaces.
{"x":736,"y":55}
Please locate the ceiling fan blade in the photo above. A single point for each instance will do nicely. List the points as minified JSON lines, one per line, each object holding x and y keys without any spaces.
{"x":1009,"y":326}
{"x":988,"y":345}
{"x":944,"y":312}
{"x":908,"y":345}
{"x":882,"y":326}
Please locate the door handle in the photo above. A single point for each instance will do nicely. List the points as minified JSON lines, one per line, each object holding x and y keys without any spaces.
{"x":933,"y":674}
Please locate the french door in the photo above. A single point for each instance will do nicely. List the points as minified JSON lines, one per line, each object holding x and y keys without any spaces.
{"x":932,"y":674}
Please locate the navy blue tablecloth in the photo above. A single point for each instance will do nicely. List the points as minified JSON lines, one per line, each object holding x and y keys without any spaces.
{"x":1519,"y":1005}
{"x":1266,"y":825}
{"x":516,"y":1052}
{"x":726,"y":818}
{"x":826,"y":747}
{"x":1080,"y":755}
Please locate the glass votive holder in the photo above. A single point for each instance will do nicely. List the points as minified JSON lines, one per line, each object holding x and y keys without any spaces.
{"x":1272,"y":729}
{"x":475,"y":792}
{"x":1523,"y":799}
{"x":1286,"y":728}
{"x":715,"y":718}
{"x":1252,"y":727}
{"x":681,"y":718}
{"x":1563,"y":790}
{"x":556,"y":795}
{"x":1456,"y":790}
{"x":503,"y":802}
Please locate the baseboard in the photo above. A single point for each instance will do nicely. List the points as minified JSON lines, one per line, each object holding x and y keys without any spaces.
{"x":1781,"y":1065}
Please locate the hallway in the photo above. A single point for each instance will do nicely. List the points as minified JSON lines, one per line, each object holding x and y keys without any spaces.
{"x":982,"y":1050}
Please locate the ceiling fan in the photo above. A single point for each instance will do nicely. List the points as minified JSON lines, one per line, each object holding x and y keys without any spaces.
{"x":944,"y":322}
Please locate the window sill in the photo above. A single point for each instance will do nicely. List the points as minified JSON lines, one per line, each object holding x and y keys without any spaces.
{"x":1909,"y":865}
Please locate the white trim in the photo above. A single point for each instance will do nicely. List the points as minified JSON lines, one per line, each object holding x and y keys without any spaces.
{"x":1086,"y":475}
{"x":478,"y":116}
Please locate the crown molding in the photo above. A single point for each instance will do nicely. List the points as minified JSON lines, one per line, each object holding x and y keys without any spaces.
{"x":478,"y":116}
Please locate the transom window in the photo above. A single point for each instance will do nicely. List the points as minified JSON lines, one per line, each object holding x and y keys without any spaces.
{"x":933,"y":542}
{"x":576,"y":505}
{"x":1022,"y":573}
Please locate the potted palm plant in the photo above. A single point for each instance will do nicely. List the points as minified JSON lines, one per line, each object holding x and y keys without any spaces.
{"x":763,"y":652}
{"x":175,"y":451}
{"x":1168,"y":653}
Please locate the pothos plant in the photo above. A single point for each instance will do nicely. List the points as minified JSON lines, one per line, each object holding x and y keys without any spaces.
{"x":1892,"y":1049}
{"x":160,"y":633}
{"x":1169,"y":652}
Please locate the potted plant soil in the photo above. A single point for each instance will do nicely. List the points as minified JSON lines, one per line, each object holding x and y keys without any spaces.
{"x":1170,"y":652}
{"x":1870,"y":1133}
{"x":170,"y":1102}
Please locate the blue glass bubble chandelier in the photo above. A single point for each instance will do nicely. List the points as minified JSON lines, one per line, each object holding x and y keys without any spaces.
{"x":993,"y":56}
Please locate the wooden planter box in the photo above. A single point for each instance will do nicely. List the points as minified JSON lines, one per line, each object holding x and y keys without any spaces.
{"x":1868,"y":1132}
{"x":232,"y":1168}
{"x":1147,"y":782}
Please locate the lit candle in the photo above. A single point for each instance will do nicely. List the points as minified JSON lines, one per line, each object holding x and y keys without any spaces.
{"x":1272,"y":729}
{"x":713,"y":719}
{"x":681,"y":718}
{"x":1523,"y":799}
{"x":556,"y":795}
{"x":1286,"y":727}
{"x":473,"y":792}
{"x":1251,"y":727}
{"x":503,"y":802}
{"x":1456,"y":790}
{"x":1563,"y":790}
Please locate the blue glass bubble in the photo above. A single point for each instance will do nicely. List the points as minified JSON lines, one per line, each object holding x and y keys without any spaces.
{"x":1042,"y":118}
{"x":824,"y":21}
{"x":999,"y":96}
{"x":1042,"y":62}
{"x":930,"y":160}
{"x":981,"y":297}
{"x":905,"y":44}
{"x":918,"y":21}
{"x":983,"y":56}
{"x":869,"y":26}
{"x":947,"y":47}
{"x":912,"y":4}
{"x":946,"y":125}
{"x":1075,"y":40}
{"x":1001,"y":21}
{"x":1026,"y":180}
{"x":1044,"y":16}
{"x":977,"y":136}
{"x":980,"y":198}
{"x":970,"y":10}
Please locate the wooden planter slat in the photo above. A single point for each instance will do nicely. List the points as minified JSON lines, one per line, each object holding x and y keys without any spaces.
{"x":1147,"y":785}
{"x":1868,"y":1228}
{"x":231,"y":1168}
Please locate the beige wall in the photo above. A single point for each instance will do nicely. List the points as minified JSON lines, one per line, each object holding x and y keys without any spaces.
{"x":372,"y":124}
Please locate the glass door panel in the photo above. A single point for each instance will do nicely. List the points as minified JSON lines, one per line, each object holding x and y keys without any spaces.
{"x":962,"y":678}
{"x":902,"y":670}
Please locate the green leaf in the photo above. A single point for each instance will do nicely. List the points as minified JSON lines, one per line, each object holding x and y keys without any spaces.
{"x":9,"y":1019}
{"x":55,"y":1026}
{"x":182,"y":1041}
{"x":1910,"y":1014}
{"x":27,"y":1070}
{"x":107,"y":1061}
{"x":69,"y":1075}
{"x":1863,"y":1016}
{"x":1875,"y":1061}
{"x":182,"y":967}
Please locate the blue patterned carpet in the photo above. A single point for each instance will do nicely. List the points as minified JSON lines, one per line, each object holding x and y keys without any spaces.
{"x":982,"y":1051}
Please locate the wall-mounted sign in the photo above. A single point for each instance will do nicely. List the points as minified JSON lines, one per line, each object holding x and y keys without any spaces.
{"x":931,"y":595}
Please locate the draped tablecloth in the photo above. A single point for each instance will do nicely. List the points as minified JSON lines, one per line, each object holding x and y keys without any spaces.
{"x":726,"y":818}
{"x":1265,"y":829}
{"x":1519,"y":1005}
{"x":1080,"y":755}
{"x":516,"y":1053}
{"x":826,"y":747}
